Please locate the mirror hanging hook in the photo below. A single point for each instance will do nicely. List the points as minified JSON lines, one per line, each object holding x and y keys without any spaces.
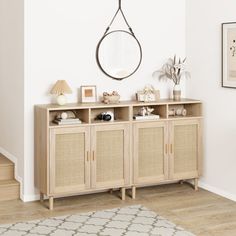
{"x":119,"y":4}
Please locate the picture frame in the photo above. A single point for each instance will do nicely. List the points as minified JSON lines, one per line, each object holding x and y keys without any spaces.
{"x":229,"y":55}
{"x":88,"y":94}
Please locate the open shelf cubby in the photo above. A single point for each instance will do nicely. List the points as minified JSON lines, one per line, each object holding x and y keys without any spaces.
{"x":82,"y":114}
{"x":125,"y":111}
{"x":160,"y":110}
{"x":121,"y":114}
{"x":192,"y":110}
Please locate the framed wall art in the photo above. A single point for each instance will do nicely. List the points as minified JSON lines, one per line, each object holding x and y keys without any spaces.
{"x":229,"y":55}
{"x":88,"y":94}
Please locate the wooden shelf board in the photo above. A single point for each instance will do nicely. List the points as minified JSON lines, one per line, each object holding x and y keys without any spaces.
{"x":77,"y":106}
{"x":138,"y":121}
{"x":53,"y":125}
{"x":98,"y":122}
{"x":183,"y":117}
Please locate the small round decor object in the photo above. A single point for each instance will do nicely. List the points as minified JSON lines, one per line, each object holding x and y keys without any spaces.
{"x":179,"y":112}
{"x":100,"y":117}
{"x":110,"y":113}
{"x":171,"y":112}
{"x":184,"y":112}
{"x":107,"y":117}
{"x":104,"y":116}
{"x":64,"y":115}
{"x":61,"y":100}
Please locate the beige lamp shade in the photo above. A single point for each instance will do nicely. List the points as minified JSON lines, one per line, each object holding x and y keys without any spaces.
{"x":61,"y":87}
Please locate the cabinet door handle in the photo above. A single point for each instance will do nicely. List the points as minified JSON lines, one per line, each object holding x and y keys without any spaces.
{"x":166,"y":149}
{"x":93,"y":155}
{"x":171,"y":148}
{"x":87,"y":156}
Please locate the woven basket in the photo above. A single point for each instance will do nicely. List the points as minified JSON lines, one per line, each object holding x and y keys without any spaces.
{"x":111,"y":99}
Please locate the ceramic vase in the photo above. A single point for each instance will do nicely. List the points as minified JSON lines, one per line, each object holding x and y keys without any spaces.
{"x":177,"y":92}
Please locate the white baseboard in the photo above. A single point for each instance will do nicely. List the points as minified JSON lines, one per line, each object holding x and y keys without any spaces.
{"x":17,"y":177}
{"x":33,"y":198}
{"x":30,"y":198}
{"x":217,"y":191}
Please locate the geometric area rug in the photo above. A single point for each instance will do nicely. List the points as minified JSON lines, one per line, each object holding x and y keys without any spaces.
{"x":128,"y":221}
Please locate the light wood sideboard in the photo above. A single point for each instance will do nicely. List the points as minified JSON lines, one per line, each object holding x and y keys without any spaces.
{"x":125,"y":153}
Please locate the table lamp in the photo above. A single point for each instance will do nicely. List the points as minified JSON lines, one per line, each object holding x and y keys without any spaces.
{"x":61,"y":88}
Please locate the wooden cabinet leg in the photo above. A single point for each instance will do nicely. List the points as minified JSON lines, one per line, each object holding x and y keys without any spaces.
{"x":123,"y":194}
{"x":133,"y":192}
{"x":41,"y":197}
{"x":196,"y":184}
{"x":51,"y":203}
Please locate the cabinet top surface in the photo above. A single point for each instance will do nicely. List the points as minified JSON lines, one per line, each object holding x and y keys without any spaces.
{"x":120,"y":104}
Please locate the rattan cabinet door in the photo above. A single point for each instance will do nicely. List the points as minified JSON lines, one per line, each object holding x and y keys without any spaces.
{"x":110,"y":155}
{"x":69,"y":160}
{"x":150,"y":151}
{"x":185,"y":149}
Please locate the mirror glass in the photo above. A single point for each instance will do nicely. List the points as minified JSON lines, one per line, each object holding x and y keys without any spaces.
{"x":119,"y":54}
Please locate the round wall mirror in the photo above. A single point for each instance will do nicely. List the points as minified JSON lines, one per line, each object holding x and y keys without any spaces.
{"x":119,"y":54}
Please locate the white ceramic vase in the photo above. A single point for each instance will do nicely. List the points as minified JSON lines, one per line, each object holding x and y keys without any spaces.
{"x":177,"y":92}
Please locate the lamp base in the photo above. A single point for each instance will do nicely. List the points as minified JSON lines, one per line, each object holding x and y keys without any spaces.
{"x":61,"y":100}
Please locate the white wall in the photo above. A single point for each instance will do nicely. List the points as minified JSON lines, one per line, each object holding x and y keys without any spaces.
{"x":12,"y":82}
{"x":204,"y":18}
{"x":60,"y":43}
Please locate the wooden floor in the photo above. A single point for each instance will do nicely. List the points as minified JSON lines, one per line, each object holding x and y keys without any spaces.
{"x":202,"y":213}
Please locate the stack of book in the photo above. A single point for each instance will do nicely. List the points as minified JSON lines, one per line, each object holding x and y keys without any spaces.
{"x":150,"y":117}
{"x":69,"y":121}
